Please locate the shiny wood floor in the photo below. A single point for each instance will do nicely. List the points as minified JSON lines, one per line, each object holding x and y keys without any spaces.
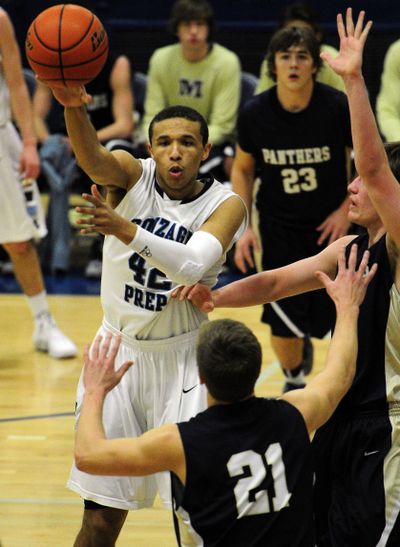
{"x":37,"y":397}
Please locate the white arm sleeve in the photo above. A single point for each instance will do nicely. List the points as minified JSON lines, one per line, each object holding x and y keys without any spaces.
{"x":183,"y":264}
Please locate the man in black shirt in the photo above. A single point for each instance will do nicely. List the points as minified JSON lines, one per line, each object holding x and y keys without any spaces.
{"x":242,"y":471}
{"x":295,"y":137}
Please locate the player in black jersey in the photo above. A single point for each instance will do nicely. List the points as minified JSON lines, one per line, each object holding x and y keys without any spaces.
{"x":296,"y":138}
{"x":358,"y":451}
{"x":242,"y":470}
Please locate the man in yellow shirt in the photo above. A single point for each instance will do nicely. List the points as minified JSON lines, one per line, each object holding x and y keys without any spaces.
{"x":199,"y":73}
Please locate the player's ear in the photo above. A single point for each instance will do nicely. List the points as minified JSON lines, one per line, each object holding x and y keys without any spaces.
{"x":206,"y":151}
{"x":149,"y":148}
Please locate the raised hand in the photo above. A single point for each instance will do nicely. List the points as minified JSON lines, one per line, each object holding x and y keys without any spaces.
{"x":99,"y":372}
{"x":349,"y":287}
{"x":352,"y":40}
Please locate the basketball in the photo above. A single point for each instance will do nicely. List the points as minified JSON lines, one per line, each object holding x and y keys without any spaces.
{"x":66,"y":45}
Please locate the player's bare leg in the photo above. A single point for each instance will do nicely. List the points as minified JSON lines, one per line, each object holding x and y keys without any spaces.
{"x":27,"y":268}
{"x":46,"y":336}
{"x":100,"y":527}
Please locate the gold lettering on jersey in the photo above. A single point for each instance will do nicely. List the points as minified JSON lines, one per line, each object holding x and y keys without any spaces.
{"x":297,"y":156}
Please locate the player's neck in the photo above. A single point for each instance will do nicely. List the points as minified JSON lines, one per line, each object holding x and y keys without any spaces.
{"x":295,"y":100}
{"x":375,"y":232}
{"x":213,"y":402}
{"x":195,"y":54}
{"x":189,"y":191}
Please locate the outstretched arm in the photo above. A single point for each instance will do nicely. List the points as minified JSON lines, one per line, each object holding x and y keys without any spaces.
{"x":370,"y":157}
{"x":266,"y":286}
{"x":318,"y":400}
{"x":106,"y":168}
{"x":96,"y":454}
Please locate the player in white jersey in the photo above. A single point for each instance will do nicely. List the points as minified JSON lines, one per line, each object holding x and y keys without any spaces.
{"x":19,"y":160}
{"x":163,"y":227}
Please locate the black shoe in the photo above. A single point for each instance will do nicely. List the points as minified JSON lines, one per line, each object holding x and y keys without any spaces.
{"x":289,"y":386}
{"x":308,"y":355}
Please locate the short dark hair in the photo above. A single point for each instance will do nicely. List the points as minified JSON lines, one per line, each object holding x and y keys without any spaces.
{"x":287,"y":37}
{"x":300,"y":11}
{"x":393,"y":154}
{"x":180,"y":111}
{"x":229,"y":358}
{"x":192,"y":10}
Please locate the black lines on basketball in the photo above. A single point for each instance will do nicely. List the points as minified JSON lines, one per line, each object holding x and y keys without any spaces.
{"x":67,"y":44}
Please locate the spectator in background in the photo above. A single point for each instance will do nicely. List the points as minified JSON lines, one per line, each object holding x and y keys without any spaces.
{"x":300,"y":14}
{"x":111,"y":112}
{"x":20,"y":160}
{"x":199,"y":73}
{"x":297,"y":137}
{"x":388,"y":100}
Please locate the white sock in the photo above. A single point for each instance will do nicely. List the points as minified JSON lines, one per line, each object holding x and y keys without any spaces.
{"x":295,"y":376}
{"x":38,"y":304}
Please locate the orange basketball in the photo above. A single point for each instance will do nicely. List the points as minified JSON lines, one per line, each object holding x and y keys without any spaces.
{"x":66,"y":44}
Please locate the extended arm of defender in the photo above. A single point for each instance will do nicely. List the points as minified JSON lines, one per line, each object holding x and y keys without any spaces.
{"x":266,"y":286}
{"x":157,"y":450}
{"x":370,"y":157}
{"x":318,"y":400}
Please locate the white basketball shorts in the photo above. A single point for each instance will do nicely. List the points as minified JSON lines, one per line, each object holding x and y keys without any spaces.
{"x":161,"y":387}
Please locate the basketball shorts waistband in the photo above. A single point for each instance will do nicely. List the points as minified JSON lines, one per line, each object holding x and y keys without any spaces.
{"x":166,"y":344}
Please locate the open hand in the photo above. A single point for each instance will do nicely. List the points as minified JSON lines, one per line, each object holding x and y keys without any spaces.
{"x":352,"y":40}
{"x":100,"y":217}
{"x":99,"y":368}
{"x":349,"y":287}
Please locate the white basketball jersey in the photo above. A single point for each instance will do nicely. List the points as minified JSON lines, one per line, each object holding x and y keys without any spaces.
{"x":136,"y":296}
